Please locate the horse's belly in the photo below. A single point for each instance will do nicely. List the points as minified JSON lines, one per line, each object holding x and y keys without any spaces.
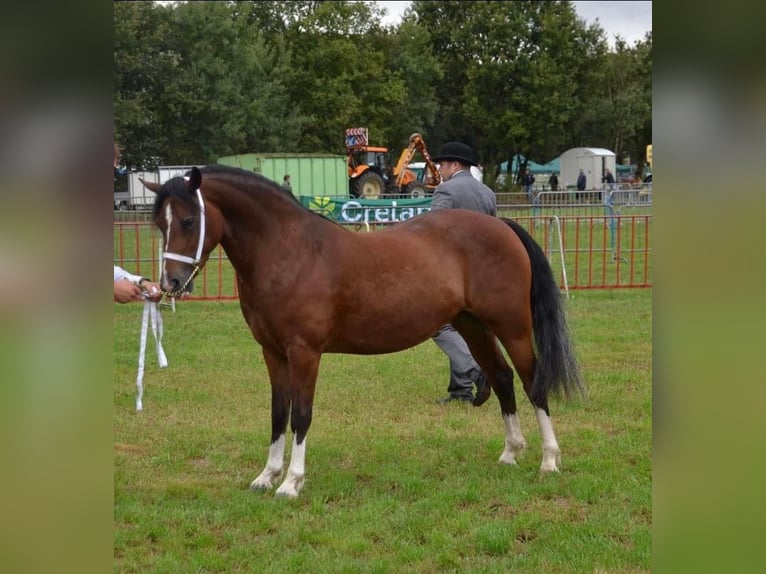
{"x":356,"y":348}
{"x":376,"y":340}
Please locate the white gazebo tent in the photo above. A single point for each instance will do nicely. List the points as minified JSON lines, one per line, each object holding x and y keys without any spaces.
{"x":592,"y":160}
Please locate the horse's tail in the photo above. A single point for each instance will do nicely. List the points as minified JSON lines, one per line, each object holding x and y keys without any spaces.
{"x":556,"y":368}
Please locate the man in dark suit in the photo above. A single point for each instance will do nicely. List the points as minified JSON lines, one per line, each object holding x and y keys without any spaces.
{"x":459,"y":190}
{"x":582,"y":181}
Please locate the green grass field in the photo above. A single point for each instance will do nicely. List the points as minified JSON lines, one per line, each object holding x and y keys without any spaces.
{"x":394,"y":482}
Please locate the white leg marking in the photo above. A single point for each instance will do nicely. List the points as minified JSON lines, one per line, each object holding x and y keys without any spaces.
{"x":514,"y":439}
{"x":551,"y":452}
{"x":273,"y":468}
{"x":295,"y":472}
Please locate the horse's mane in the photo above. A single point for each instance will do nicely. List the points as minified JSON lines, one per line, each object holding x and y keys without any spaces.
{"x":243,"y":177}
{"x":175,"y":188}
{"x":240,"y":178}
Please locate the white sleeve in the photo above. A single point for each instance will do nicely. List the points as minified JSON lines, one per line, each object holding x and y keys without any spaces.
{"x":120,"y":273}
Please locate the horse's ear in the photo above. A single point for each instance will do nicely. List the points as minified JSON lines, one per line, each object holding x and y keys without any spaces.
{"x":195,"y":179}
{"x":151,"y":186}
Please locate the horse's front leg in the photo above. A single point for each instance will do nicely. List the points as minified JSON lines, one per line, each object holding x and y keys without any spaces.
{"x":280,"y":409}
{"x":303,"y":370}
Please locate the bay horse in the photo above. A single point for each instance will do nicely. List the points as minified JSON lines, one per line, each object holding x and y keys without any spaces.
{"x":309,"y":286}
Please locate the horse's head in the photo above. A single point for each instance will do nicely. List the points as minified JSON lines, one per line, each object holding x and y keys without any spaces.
{"x":189,"y":232}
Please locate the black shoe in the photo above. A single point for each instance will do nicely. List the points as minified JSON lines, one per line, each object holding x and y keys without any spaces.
{"x":451,"y":398}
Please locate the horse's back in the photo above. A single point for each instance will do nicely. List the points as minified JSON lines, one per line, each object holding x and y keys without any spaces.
{"x":456,"y":253}
{"x":456,"y":235}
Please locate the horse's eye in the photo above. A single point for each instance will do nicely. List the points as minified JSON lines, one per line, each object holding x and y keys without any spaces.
{"x":188,"y":222}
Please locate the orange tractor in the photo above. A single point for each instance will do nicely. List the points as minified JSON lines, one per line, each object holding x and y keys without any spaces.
{"x":372,"y":176}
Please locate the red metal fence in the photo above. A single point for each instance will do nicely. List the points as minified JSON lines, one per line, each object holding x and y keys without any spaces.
{"x":586,"y":252}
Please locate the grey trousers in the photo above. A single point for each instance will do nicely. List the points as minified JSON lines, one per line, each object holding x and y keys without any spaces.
{"x":463,"y":369}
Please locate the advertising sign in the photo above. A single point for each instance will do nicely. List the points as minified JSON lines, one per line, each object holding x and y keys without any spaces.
{"x":356,"y":211}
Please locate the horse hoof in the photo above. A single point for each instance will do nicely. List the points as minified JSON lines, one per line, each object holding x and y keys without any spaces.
{"x":507,"y":458}
{"x":549,"y":468}
{"x":483,"y":392}
{"x":480,"y":400}
{"x":261,"y":484}
{"x":286,"y":494}
{"x":288,"y":491}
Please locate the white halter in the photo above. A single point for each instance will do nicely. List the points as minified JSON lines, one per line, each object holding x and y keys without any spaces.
{"x":185,"y":258}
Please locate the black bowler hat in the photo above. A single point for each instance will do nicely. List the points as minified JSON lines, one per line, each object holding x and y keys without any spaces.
{"x":456,"y":151}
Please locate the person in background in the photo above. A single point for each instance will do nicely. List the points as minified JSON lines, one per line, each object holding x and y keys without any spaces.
{"x":608,"y":179}
{"x":553,"y":181}
{"x":459,"y":190}
{"x":286,"y":183}
{"x":582,"y":182}
{"x":129,"y":287}
{"x":529,"y":181}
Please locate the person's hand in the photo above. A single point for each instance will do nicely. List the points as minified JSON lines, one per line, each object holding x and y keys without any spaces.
{"x":125,"y":291}
{"x":151,"y":291}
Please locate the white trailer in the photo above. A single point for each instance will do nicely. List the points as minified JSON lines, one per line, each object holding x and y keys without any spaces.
{"x":142,"y":198}
{"x":593,"y":161}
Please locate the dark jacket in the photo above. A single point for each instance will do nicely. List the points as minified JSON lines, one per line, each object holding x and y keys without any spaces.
{"x":463,"y":191}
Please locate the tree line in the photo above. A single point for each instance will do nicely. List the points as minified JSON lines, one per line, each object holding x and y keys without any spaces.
{"x":194,"y":81}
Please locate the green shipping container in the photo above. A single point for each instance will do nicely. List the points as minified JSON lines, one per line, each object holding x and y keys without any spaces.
{"x":311,"y":174}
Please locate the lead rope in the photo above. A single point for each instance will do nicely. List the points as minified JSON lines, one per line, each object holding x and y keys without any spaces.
{"x":151,"y":315}
{"x":151,"y":312}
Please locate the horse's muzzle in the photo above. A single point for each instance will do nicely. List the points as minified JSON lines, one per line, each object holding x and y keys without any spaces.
{"x":175,"y":288}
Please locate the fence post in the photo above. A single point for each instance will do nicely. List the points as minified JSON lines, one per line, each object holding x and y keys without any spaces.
{"x":554,"y":219}
{"x":609,"y":213}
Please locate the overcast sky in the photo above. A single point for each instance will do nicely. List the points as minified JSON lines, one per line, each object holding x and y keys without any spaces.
{"x":630,"y":20}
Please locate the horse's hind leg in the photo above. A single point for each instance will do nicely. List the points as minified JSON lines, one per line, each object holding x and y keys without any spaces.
{"x":280,"y":409}
{"x":514,"y":442}
{"x":523,"y":356}
{"x":484,"y":348}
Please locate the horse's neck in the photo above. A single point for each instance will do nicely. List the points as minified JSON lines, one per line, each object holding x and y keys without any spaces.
{"x":252,"y":222}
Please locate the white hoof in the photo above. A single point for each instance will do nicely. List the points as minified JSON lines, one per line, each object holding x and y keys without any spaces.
{"x":507,"y":458}
{"x":551,"y":461}
{"x":291,"y":487}
{"x":513,"y":448}
{"x":265,"y":480}
{"x":287,"y":493}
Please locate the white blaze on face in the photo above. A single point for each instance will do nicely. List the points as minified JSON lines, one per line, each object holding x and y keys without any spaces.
{"x":168,"y":221}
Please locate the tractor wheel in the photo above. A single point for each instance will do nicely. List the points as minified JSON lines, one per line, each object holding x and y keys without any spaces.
{"x":415,"y":190}
{"x":370,"y":185}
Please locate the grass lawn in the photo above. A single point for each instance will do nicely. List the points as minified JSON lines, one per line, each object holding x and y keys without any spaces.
{"x":394,"y":481}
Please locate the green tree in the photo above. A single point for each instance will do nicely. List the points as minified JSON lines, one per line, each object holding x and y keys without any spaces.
{"x":622,"y":101}
{"x":408,"y":55}
{"x":340,"y":76}
{"x":231,"y":96}
{"x":195,"y":81}
{"x":643,"y":76}
{"x":517,"y":69}
{"x":143,"y":63}
{"x":198,"y":80}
